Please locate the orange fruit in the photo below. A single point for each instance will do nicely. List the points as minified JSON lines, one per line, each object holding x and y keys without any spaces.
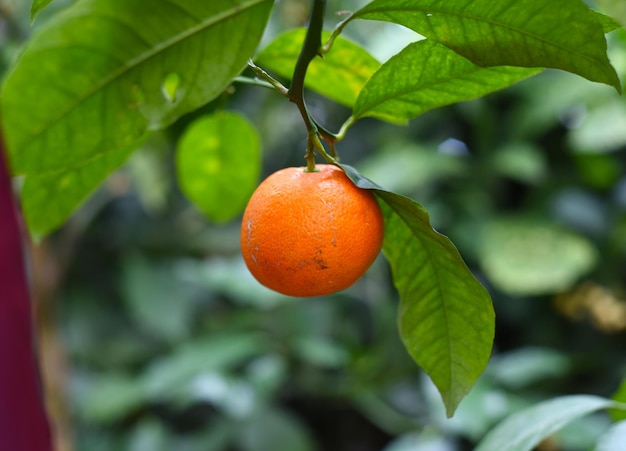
{"x":310,"y":233}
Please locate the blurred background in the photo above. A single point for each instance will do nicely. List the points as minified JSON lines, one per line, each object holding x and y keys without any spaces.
{"x":155,"y":337}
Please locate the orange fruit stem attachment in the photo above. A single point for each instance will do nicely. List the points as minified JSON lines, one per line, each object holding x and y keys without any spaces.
{"x":310,"y":233}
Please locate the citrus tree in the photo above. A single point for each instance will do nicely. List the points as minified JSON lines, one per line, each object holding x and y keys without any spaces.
{"x":101,"y":76}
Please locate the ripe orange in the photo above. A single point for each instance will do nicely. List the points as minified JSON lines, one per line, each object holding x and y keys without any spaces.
{"x":310,"y":233}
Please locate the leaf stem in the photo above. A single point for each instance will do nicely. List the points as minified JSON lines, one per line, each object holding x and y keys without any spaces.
{"x":253,"y":81}
{"x":344,"y":128}
{"x":336,"y":32}
{"x":265,"y":80}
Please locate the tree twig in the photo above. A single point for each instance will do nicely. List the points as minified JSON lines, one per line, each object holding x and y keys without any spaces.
{"x":310,"y":49}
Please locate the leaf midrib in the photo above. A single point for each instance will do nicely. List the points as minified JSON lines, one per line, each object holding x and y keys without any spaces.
{"x":142,"y":58}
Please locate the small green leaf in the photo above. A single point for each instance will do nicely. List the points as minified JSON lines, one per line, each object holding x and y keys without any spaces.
{"x":524,"y":430}
{"x":48,"y":200}
{"x":526,"y":257}
{"x":427,"y":75}
{"x":37,"y":7}
{"x":446,"y":318}
{"x":339,"y":75}
{"x":561,"y":34}
{"x":218,"y":163}
{"x":101,"y":73}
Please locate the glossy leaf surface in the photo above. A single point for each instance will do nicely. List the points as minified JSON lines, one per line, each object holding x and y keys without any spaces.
{"x":561,"y":34}
{"x":96,"y":78}
{"x":446,"y":318}
{"x":48,"y":200}
{"x":426,"y":75}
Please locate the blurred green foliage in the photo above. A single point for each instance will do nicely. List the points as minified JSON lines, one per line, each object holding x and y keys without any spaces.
{"x":172,"y":345}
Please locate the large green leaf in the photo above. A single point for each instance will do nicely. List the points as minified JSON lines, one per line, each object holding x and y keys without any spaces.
{"x":446,"y":318}
{"x":524,"y":430}
{"x":105,"y":71}
{"x":49,"y":199}
{"x":561,"y":34}
{"x":427,"y":75}
{"x":339,"y":75}
{"x":218,"y":164}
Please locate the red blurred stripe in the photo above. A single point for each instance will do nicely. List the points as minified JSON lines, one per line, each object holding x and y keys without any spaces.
{"x":23,"y":422}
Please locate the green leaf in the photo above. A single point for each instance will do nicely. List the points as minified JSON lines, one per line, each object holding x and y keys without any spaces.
{"x":427,"y":75}
{"x":321,"y":352}
{"x":410,"y":167}
{"x":37,"y":7}
{"x":417,"y":441}
{"x":561,"y":34}
{"x":102,"y":73}
{"x":271,"y":428}
{"x":524,"y":430}
{"x":216,"y":353}
{"x":49,"y":199}
{"x":149,"y":433}
{"x":602,"y":129}
{"x":619,"y":396}
{"x":159,"y":304}
{"x":526,"y":366}
{"x":218,"y":162}
{"x":520,"y":161}
{"x":110,"y":397}
{"x":446,"y":318}
{"x":608,"y":23}
{"x":527,"y":257}
{"x":339,"y":75}
{"x":616,"y":8}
